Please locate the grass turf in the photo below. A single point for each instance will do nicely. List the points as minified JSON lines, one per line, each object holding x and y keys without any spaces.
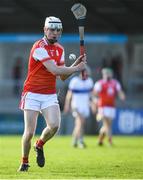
{"x":122,"y":161}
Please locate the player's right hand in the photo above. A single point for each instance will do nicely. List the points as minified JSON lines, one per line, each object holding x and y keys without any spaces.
{"x":81,"y":66}
{"x":81,"y":58}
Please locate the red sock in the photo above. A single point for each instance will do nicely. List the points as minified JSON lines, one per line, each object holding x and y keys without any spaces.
{"x":25,"y":160}
{"x":40,"y":143}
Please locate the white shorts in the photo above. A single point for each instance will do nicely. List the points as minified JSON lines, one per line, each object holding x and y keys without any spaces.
{"x":108,"y":112}
{"x":82,"y":111}
{"x":37,"y":102}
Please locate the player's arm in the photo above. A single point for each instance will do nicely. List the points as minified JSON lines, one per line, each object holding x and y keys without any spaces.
{"x":122,"y":95}
{"x":96,"y":89}
{"x":95,"y":93}
{"x":120,"y":92}
{"x":94,"y":102}
{"x":62,"y":70}
{"x":68,"y":101}
{"x":95,"y":96}
{"x":40,"y":54}
{"x":80,"y":59}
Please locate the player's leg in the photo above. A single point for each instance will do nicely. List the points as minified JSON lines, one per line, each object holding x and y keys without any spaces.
{"x":102,"y":132}
{"x":78,"y":131}
{"x":106,"y":130}
{"x":109,"y":130}
{"x":52,"y":117}
{"x":110,"y":115}
{"x":30,"y":121}
{"x":81,"y":113}
{"x":81,"y":131}
{"x":75,"y":133}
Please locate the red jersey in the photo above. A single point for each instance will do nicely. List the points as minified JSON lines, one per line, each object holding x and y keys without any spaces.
{"x":39,"y":79}
{"x":107,"y":91}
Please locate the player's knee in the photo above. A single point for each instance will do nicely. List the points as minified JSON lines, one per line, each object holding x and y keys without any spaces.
{"x":102,"y":130}
{"x":55,"y":127}
{"x":28,"y":135}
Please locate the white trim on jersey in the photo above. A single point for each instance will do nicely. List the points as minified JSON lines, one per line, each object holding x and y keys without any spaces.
{"x":63,"y":57}
{"x":97,"y":87}
{"x":40,"y":54}
{"x":118,"y":86}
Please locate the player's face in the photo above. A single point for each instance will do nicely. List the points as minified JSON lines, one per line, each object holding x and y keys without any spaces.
{"x":52,"y":34}
{"x":84,"y":75}
{"x":107,"y":76}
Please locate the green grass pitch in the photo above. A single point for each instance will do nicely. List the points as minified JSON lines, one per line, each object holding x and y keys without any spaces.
{"x":122,"y":161}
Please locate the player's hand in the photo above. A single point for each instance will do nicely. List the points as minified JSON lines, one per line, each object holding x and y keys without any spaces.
{"x":81,"y":58}
{"x":81,"y":66}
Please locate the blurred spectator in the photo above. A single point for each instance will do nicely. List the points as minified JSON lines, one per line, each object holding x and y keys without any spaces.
{"x":116,"y":66}
{"x":17,"y":75}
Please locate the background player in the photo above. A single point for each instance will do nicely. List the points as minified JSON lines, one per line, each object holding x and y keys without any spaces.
{"x":106,"y":91}
{"x":78,"y":99}
{"x":39,"y":93}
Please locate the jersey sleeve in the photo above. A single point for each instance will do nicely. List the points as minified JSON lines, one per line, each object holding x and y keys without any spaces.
{"x":62,"y":59}
{"x":118,"y":86}
{"x":72,"y":84}
{"x":97,"y":87}
{"x":41,"y":54}
{"x":91,"y":84}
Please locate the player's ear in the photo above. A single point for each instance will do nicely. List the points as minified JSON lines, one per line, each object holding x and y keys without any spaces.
{"x":45,"y":29}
